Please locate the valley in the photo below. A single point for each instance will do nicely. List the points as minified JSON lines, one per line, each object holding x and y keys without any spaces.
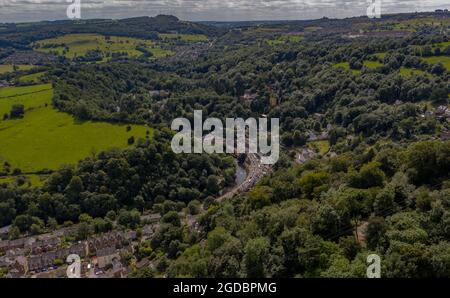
{"x":87,"y":166}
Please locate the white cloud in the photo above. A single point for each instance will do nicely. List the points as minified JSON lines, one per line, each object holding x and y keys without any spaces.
{"x":32,"y":10}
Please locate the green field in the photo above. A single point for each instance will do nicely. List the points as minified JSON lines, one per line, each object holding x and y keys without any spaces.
{"x":46,"y":138}
{"x":75,"y":45}
{"x":442,"y":45}
{"x":380,"y":55}
{"x":31,"y":97}
{"x":284,"y":39}
{"x":312,"y":28}
{"x":346,"y":66}
{"x":32,"y":78}
{"x":445,"y":60}
{"x":408,"y":72}
{"x":185,"y":37}
{"x":31,"y":180}
{"x":372,"y":64}
{"x":322,"y":147}
{"x":411,"y":25}
{"x":5,"y":68}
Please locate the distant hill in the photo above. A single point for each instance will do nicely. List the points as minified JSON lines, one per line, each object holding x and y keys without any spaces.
{"x":323,"y":22}
{"x":17,"y":35}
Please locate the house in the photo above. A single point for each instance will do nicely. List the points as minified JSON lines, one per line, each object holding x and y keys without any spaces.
{"x":442,"y":112}
{"x":314,"y":137}
{"x":106,"y":256}
{"x":148,"y":231}
{"x":4,"y":84}
{"x":77,"y":249}
{"x":12,"y":253}
{"x":13,"y":273}
{"x":161,"y":93}
{"x":45,"y":245}
{"x":114,"y":238}
{"x":17,"y":243}
{"x":4,"y":245}
{"x":34,"y":263}
{"x":5,"y":230}
{"x":130,"y":235}
{"x":153,"y":92}
{"x":47,"y":259}
{"x":248,"y":96}
{"x":305,"y":155}
{"x":151,"y":218}
{"x":5,"y":262}
{"x":445,"y":136}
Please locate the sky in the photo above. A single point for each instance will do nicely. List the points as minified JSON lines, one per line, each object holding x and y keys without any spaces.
{"x":207,"y":10}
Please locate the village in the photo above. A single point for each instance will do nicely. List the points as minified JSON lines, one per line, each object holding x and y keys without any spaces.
{"x":45,"y":255}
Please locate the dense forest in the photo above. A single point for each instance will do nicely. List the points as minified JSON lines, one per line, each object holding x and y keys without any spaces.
{"x":299,"y":222}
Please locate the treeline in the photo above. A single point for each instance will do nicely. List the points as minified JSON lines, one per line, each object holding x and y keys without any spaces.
{"x":142,"y":27}
{"x":125,"y":91}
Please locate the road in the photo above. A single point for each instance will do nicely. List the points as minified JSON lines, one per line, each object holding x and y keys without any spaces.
{"x":256,"y":171}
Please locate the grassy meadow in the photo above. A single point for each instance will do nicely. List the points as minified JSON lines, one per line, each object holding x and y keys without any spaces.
{"x":6,"y":68}
{"x":346,"y":66}
{"x":75,"y":45}
{"x":32,"y":78}
{"x":31,"y":97}
{"x":46,"y":138}
{"x":372,"y":64}
{"x":184,"y":37}
{"x":445,"y":60}
{"x":30,"y":180}
{"x":284,"y":39}
{"x":322,"y":147}
{"x":409,"y":72}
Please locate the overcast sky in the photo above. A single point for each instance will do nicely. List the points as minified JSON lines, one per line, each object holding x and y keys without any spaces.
{"x":207,"y":10}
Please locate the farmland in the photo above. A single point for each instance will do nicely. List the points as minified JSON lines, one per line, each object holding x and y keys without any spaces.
{"x":6,"y":68}
{"x":408,"y":72}
{"x":445,"y":60}
{"x":380,"y":55}
{"x":29,"y":180}
{"x":32,"y":78}
{"x":184,"y":37}
{"x":46,"y":138}
{"x":346,"y":66}
{"x":283,"y":39}
{"x":31,"y":97}
{"x":372,"y":64}
{"x":76,"y":45}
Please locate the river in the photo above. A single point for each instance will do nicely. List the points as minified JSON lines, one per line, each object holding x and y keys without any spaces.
{"x":241,"y":174}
